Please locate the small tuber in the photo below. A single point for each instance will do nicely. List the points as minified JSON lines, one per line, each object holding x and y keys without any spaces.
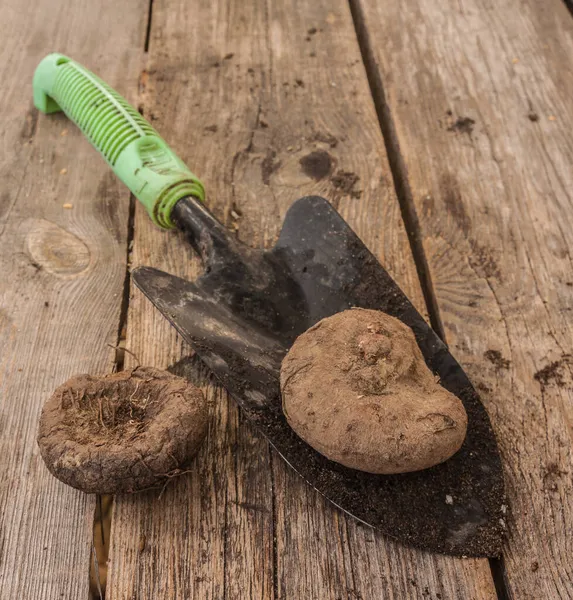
{"x":124,"y":432}
{"x":356,"y":388}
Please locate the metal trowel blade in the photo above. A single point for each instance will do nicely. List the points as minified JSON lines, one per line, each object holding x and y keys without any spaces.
{"x":243,"y":315}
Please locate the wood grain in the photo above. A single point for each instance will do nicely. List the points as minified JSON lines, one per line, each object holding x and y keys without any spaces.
{"x":62,"y":276}
{"x":245,"y":91}
{"x":481,"y":96}
{"x":210,"y":533}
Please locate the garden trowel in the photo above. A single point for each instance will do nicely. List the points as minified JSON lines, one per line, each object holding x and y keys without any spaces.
{"x":242,"y":315}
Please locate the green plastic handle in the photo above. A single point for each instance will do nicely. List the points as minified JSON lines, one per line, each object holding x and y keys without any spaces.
{"x":136,"y":152}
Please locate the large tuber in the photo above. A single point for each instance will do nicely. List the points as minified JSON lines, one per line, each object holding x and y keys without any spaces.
{"x":356,"y":388}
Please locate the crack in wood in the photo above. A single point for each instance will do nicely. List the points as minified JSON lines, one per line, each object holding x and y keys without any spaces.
{"x":398,"y":168}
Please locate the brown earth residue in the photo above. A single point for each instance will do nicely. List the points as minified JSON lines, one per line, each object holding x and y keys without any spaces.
{"x":551,"y":476}
{"x":452,"y":197}
{"x":483,"y":387}
{"x":483,"y":261}
{"x":553,"y":372}
{"x":462,"y":125}
{"x":345,"y":182}
{"x":428,"y":205}
{"x":269,"y":166}
{"x":143,"y":81}
{"x":317,"y":164}
{"x":497,"y":360}
{"x":30,"y":125}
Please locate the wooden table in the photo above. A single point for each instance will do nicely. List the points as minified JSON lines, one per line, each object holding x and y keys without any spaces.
{"x":447,"y":131}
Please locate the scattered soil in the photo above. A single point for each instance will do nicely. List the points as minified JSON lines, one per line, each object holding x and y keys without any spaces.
{"x":552,"y":373}
{"x":345,"y":182}
{"x":552,"y":474}
{"x":553,"y":469}
{"x":452,"y":197}
{"x":317,"y":164}
{"x":122,"y":433}
{"x":428,"y":204}
{"x":483,"y":261}
{"x":483,"y":387}
{"x":325,"y":138}
{"x":269,"y":165}
{"x":496,"y":359}
{"x":356,"y":388}
{"x":30,"y":126}
{"x":462,"y":125}
{"x":211,"y":128}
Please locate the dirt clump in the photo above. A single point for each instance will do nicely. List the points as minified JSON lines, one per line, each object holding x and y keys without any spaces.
{"x":269,"y":165}
{"x":124,"y":432}
{"x":356,"y":388}
{"x":496,"y":359}
{"x":463,"y":125}
{"x":317,"y":164}
{"x":345,"y":182}
{"x":552,"y":373}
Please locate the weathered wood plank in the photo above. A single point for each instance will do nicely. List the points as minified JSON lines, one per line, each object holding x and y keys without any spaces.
{"x":337,"y":91}
{"x":210,"y":534}
{"x":482,"y":97}
{"x":62,"y":276}
{"x":244,"y":92}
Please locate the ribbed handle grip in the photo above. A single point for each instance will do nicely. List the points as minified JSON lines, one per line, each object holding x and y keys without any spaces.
{"x":135,"y":151}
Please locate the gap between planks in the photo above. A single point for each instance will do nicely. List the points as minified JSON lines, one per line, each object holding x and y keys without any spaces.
{"x":398,"y":168}
{"x":62,"y":225}
{"x":409,"y":213}
{"x":99,"y":562}
{"x":494,"y":203}
{"x":148,"y":27}
{"x":293,"y":501}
